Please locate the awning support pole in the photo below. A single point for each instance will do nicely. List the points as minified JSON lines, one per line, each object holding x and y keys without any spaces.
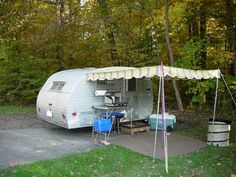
{"x":214,"y":112}
{"x":158,"y":110}
{"x":216,"y":94}
{"x":163,"y":118}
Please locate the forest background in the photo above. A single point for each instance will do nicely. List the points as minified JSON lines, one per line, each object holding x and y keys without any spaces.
{"x":41,"y":37}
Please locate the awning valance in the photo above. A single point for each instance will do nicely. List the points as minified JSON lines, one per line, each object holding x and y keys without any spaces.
{"x":111,"y":73}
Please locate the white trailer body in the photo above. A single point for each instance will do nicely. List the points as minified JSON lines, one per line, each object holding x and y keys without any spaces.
{"x":67,"y":98}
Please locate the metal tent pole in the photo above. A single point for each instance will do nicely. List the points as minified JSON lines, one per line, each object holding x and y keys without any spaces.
{"x":216,"y":94}
{"x":166,"y":151}
{"x":164,"y":121}
{"x":158,"y":110}
{"x":214,"y":111}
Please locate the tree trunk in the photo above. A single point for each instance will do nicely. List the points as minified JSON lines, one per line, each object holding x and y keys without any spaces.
{"x":233,"y":35}
{"x":192,"y":19}
{"x":203,"y":20}
{"x":195,"y":32}
{"x":177,"y":94}
{"x":231,"y":29}
{"x":61,"y":23}
{"x":235,"y":60}
{"x":109,"y":32}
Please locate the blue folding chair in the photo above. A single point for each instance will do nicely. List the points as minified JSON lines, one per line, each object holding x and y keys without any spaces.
{"x":102,"y":126}
{"x":114,"y":116}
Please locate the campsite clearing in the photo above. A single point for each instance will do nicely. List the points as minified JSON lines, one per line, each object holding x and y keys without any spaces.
{"x":123,"y":162}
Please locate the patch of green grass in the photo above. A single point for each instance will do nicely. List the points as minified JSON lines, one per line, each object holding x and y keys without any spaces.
{"x":118,"y":161}
{"x":17,"y":110}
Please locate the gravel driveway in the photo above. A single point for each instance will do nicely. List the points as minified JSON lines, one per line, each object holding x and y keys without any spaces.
{"x":22,"y":121}
{"x":24,"y":139}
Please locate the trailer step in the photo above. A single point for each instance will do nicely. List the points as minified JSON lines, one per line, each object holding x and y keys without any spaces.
{"x":135,"y":127}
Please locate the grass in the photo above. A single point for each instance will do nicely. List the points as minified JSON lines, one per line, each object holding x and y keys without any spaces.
{"x":17,"y":110}
{"x":118,"y":161}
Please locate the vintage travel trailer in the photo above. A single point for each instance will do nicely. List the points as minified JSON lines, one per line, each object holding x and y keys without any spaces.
{"x":71,"y":100}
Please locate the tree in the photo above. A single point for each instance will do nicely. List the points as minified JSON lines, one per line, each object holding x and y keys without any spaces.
{"x":109,"y":28}
{"x":178,"y":98}
{"x":231,"y":30}
{"x":203,"y":23}
{"x":39,"y":38}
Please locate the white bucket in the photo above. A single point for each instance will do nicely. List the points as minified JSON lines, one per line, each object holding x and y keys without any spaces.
{"x":218,"y":133}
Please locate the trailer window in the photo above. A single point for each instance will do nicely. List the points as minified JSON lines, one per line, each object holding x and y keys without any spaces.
{"x":131,"y":85}
{"x":58,"y":85}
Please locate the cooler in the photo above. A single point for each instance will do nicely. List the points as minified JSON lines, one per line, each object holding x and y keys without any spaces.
{"x":170,"y":121}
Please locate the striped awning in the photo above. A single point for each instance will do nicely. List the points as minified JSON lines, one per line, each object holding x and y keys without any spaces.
{"x":111,"y":73}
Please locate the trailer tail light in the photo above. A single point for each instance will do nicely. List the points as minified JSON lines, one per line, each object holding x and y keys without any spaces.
{"x":73,"y":113}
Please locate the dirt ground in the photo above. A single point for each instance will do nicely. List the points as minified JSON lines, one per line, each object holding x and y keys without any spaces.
{"x":22,"y":121}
